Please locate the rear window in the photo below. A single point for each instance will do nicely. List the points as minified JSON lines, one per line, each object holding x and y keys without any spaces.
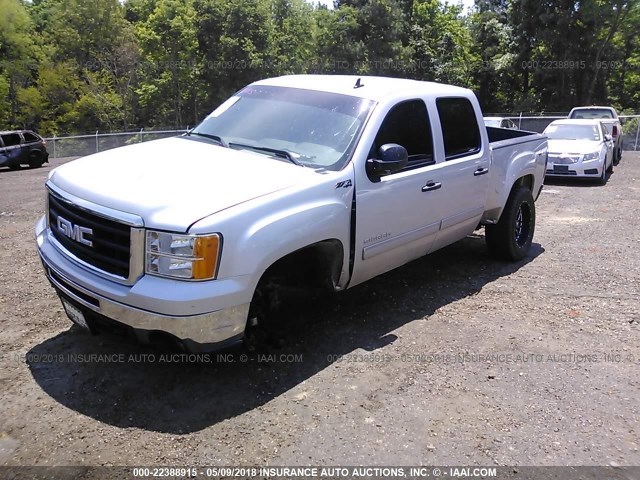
{"x":30,"y":137}
{"x":459,"y":127}
{"x":11,"y":139}
{"x":589,"y":113}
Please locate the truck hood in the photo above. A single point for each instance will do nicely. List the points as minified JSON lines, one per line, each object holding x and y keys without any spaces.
{"x":175,"y":182}
{"x":573,"y":146}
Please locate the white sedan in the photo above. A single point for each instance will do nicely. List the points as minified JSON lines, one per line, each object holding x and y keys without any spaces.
{"x":579,"y":148}
{"x":499,"y":122}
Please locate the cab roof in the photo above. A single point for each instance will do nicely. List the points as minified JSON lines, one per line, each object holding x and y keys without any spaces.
{"x":369,"y":87}
{"x":592,"y":107}
{"x":6,"y":132}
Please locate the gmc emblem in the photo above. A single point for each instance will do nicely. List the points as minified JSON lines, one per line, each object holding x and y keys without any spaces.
{"x":74,"y":232}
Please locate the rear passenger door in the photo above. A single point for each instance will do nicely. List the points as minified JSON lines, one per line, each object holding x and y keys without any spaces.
{"x":464,"y":171}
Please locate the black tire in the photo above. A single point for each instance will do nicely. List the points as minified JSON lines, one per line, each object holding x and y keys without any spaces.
{"x":610,"y":169}
{"x":602,"y":180}
{"x":36,"y":159}
{"x":617,"y":156}
{"x":14,"y":167}
{"x":511,"y":237}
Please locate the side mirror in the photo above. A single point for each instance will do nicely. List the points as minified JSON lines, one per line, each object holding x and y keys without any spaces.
{"x":607,"y":137}
{"x":392,"y":158}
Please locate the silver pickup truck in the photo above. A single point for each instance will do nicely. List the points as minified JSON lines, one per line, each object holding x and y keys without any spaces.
{"x":303,"y":181}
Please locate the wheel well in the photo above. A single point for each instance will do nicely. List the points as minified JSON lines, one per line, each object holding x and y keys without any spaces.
{"x":310,"y":270}
{"x":318,"y":264}
{"x":526,"y":181}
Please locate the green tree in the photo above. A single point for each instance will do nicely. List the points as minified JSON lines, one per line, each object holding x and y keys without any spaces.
{"x":17,"y":56}
{"x":377,"y":32}
{"x":493,"y":56}
{"x":441,"y":43}
{"x":233,"y":41}
{"x":291,"y":44}
{"x":168,"y":92}
{"x":624,"y":83}
{"x":97,"y":46}
{"x":339,"y":46}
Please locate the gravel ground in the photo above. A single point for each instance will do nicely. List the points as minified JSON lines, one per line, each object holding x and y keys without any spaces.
{"x":453,"y":359}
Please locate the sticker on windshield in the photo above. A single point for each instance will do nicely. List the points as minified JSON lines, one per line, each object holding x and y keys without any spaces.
{"x":224,"y":107}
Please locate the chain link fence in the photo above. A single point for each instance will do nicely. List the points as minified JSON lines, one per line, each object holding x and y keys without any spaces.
{"x":81,"y":145}
{"x":537,"y":123}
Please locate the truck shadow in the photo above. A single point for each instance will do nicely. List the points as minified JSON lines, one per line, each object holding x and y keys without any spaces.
{"x":122,"y":385}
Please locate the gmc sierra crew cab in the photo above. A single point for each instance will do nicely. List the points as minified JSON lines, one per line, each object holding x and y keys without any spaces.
{"x":304,"y":180}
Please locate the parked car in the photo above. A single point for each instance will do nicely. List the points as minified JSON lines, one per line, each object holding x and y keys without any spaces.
{"x":301,"y":182}
{"x":22,"y":147}
{"x":580,"y":148}
{"x":609,"y":118}
{"x":500,"y":122}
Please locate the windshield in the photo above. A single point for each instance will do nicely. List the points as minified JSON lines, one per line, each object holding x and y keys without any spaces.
{"x":573,"y":132}
{"x":491,"y":123}
{"x":589,"y":113}
{"x":316,"y":129}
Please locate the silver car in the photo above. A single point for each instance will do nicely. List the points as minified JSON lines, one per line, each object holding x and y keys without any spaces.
{"x":500,"y":122}
{"x":579,"y":148}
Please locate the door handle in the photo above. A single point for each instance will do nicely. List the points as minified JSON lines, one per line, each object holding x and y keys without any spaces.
{"x":480,"y":171}
{"x":431,"y":186}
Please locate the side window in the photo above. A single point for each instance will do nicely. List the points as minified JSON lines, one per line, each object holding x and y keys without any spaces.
{"x":11,"y":139}
{"x":459,"y":127}
{"x":29,"y":137}
{"x":407,"y":124}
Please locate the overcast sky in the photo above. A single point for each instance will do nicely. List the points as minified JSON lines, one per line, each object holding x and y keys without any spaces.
{"x":466,"y":3}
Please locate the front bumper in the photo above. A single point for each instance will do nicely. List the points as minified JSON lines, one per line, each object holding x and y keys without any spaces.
{"x":590,"y":169}
{"x":197,"y":316}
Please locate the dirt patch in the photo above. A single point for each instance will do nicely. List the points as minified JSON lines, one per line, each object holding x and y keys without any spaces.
{"x":453,"y":359}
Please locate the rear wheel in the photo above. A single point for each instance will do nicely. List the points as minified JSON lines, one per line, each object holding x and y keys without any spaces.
{"x":511,"y":237}
{"x":36,"y":159}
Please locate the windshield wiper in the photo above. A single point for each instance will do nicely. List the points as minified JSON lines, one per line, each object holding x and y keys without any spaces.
{"x":215,"y":138}
{"x":275,"y":151}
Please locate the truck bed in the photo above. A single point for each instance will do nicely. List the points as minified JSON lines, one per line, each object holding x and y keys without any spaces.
{"x":512,"y":152}
{"x":498,"y":135}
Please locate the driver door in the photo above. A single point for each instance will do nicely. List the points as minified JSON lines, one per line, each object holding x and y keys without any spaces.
{"x":396,"y":221}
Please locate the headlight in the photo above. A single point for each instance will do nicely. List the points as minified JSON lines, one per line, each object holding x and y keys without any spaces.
{"x":591,"y":156}
{"x":191,"y":257}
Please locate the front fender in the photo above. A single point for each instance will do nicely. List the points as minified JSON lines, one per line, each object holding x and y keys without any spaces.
{"x":291,"y":230}
{"x":259,"y":233}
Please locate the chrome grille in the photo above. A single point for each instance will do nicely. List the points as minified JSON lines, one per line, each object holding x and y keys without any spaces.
{"x":111,"y":240}
{"x":563,"y":159}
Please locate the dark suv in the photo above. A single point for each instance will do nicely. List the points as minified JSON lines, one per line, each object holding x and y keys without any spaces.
{"x":22,"y":147}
